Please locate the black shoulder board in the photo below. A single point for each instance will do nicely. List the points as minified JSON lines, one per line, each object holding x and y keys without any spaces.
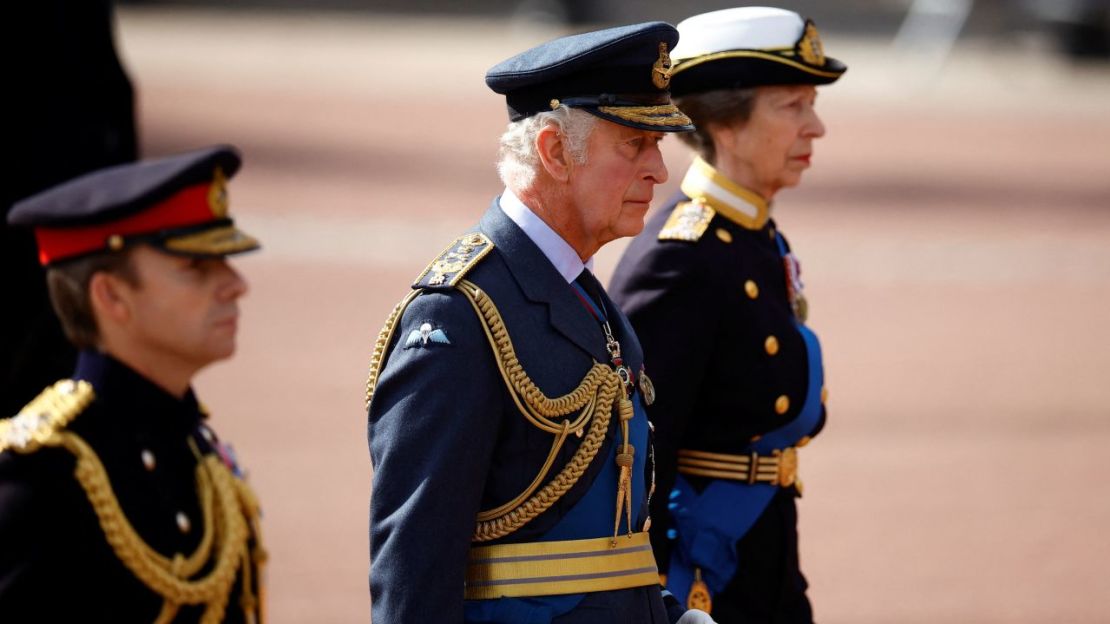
{"x":453,"y":264}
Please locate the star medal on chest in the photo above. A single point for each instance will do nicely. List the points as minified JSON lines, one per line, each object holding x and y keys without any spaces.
{"x":795,"y":288}
{"x":647,"y":389}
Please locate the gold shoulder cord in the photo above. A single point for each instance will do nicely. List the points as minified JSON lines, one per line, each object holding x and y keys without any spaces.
{"x":593,"y":401}
{"x":229,"y":510}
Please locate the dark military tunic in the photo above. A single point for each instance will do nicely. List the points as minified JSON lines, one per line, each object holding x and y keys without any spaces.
{"x":447,"y":440}
{"x":56,"y":564}
{"x":707,"y":293}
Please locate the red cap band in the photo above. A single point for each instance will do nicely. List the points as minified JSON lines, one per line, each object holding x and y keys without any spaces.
{"x":188,"y":207}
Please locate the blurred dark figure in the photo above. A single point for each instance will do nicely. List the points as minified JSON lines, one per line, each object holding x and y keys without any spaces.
{"x":1082,"y":27}
{"x":71,"y":110}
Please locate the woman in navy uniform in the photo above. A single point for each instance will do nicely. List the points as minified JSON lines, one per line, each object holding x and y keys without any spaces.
{"x":714,"y":292}
{"x":117,"y":501}
{"x":505,"y":404}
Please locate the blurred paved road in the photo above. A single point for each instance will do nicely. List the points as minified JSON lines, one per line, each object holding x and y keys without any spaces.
{"x":955,"y":238}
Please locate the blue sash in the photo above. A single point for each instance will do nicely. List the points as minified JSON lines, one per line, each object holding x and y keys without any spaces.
{"x":592,"y":516}
{"x":707,"y":526}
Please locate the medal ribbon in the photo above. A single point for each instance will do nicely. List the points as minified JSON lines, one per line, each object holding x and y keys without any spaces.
{"x":589,"y":291}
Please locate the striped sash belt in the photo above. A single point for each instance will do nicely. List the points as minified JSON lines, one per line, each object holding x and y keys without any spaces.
{"x":565,"y":567}
{"x":780,"y":468}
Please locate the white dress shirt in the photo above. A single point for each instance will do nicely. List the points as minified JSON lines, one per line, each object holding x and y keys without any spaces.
{"x":558,"y":251}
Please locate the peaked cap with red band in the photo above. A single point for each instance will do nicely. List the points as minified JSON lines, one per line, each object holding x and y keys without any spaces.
{"x":177,"y":204}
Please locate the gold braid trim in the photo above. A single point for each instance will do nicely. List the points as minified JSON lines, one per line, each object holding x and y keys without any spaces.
{"x":595,"y":396}
{"x":667,"y":115}
{"x":382,"y":343}
{"x":593,"y":400}
{"x":164,"y":576}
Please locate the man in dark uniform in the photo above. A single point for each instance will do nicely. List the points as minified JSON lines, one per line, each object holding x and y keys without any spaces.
{"x":714,"y":293}
{"x":117,"y":502}
{"x":505,"y":400}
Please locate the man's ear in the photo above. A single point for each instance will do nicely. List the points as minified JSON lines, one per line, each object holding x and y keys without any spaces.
{"x":108,"y":298}
{"x":552,"y":150}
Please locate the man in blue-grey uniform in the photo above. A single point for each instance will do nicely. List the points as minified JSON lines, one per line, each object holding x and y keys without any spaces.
{"x":511,"y":452}
{"x":714,"y":292}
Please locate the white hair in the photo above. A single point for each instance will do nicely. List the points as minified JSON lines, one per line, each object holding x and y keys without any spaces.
{"x":517,"y":160}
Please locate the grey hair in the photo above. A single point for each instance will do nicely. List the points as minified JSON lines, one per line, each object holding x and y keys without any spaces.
{"x":517,"y":160}
{"x":725,"y":107}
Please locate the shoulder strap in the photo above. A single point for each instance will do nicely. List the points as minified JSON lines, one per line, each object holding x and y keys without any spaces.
{"x":454,"y":262}
{"x":49,"y":413}
{"x":688,"y":221}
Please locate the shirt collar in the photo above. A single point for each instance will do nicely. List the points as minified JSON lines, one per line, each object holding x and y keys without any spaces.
{"x":554,"y":248}
{"x":136,"y":402}
{"x":726,"y":197}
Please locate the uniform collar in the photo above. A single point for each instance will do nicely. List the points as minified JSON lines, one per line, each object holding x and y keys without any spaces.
{"x":554,"y":247}
{"x":732,"y":201}
{"x":134,"y":400}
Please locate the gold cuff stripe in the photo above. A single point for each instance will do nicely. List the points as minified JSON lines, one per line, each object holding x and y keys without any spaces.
{"x":563,"y":567}
{"x":766,"y":56}
{"x":666,"y":115}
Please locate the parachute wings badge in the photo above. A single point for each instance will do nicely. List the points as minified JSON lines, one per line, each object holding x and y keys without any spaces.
{"x":425,"y":334}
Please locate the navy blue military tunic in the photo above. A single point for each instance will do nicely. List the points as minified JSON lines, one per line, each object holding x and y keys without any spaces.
{"x":55,"y":562}
{"x":708,"y":293}
{"x":447,"y":441}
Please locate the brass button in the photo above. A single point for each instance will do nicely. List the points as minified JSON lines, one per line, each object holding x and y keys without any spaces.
{"x":756,"y":438}
{"x":751,"y":289}
{"x":183,"y":522}
{"x":148,"y":459}
{"x":771,"y":345}
{"x":782,"y":404}
{"x":115,"y":242}
{"x":824,"y":394}
{"x":724,"y":235}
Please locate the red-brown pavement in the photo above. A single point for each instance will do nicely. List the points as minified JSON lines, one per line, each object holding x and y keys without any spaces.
{"x":955,"y":240}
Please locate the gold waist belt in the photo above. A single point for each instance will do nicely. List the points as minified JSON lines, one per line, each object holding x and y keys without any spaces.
{"x":553,"y":568}
{"x":780,"y":468}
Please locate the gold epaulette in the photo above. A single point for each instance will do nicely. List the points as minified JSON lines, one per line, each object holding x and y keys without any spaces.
{"x":455,"y":261}
{"x":50,"y":412}
{"x":688,"y":221}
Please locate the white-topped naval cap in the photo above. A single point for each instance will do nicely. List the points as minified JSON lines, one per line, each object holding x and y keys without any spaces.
{"x":749,"y":47}
{"x":742,"y":28}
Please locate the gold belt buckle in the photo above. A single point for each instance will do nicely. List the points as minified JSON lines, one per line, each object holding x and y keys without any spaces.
{"x":787,"y":467}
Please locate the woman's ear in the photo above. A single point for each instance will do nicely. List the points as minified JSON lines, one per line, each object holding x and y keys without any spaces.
{"x":552,"y":150}
{"x":723,"y":136}
{"x":108,"y":298}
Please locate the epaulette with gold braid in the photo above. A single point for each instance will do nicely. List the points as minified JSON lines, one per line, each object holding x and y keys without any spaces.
{"x":452,"y":265}
{"x":50,"y":412}
{"x":688,"y":221}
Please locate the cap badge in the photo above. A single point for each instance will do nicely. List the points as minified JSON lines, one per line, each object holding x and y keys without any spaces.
{"x":661,"y":70}
{"x":217,"y":195}
{"x":809,"y":46}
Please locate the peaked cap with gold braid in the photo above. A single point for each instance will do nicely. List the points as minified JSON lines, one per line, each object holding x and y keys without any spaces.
{"x":749,"y":47}
{"x":619,"y":74}
{"x":178,"y":204}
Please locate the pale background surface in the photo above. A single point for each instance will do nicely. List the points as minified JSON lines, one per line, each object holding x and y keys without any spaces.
{"x":955,"y":239}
